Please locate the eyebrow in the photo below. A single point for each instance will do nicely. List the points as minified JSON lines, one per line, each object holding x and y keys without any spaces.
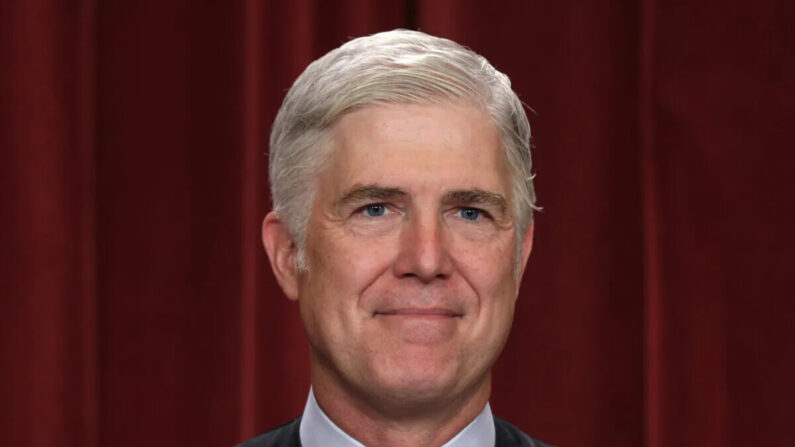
{"x":360,"y":193}
{"x":374,"y":192}
{"x":477,"y":196}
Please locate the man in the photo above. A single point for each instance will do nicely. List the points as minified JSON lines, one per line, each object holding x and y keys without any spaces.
{"x":402,"y":224}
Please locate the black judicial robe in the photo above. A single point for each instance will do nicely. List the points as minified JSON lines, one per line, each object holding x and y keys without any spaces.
{"x":287,"y":436}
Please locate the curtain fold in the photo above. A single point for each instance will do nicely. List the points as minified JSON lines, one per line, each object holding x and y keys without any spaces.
{"x":49,"y":303}
{"x":719,"y":95}
{"x":137,"y":303}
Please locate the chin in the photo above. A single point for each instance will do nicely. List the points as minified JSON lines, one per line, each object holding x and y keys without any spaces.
{"x":416,"y":384}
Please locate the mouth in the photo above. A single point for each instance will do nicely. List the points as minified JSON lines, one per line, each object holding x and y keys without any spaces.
{"x":432,"y":312}
{"x":419,"y":326}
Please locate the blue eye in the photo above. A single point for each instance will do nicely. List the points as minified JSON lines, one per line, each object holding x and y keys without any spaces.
{"x":470,"y":213}
{"x":375,"y":210}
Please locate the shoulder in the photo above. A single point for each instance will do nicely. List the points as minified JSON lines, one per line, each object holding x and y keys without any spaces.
{"x":510,"y":436}
{"x":285,"y":435}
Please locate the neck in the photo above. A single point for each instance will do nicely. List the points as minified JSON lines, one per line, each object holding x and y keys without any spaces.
{"x":385,"y":422}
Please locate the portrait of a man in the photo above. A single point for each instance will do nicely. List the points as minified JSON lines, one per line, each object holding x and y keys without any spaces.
{"x":403,"y":221}
{"x":313,"y":223}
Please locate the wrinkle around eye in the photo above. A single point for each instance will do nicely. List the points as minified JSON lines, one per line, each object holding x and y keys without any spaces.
{"x":494,"y":218}
{"x":487,"y":226}
{"x":361,"y":222}
{"x":387,"y":210}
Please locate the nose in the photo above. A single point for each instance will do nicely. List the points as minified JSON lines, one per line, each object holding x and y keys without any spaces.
{"x":424,"y":249}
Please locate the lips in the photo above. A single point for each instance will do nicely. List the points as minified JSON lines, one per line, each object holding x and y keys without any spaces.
{"x":419,"y":312}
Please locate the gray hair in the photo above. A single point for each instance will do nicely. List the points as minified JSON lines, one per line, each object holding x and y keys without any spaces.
{"x":393,"y":67}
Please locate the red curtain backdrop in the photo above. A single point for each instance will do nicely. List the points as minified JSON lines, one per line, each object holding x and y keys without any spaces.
{"x":137,"y":304}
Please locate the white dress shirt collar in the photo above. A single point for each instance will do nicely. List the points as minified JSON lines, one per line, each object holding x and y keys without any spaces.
{"x":317,"y":430}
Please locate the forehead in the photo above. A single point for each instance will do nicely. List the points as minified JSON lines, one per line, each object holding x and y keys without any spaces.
{"x":453,"y":145}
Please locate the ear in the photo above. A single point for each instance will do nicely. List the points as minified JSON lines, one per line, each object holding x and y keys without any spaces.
{"x":527,"y":247}
{"x":282,"y":253}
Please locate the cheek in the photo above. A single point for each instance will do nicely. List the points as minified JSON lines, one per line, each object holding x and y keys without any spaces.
{"x":488,"y":268}
{"x":490,"y":261}
{"x":346,"y":266}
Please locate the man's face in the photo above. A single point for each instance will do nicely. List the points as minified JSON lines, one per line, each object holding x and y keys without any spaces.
{"x":410,"y":288}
